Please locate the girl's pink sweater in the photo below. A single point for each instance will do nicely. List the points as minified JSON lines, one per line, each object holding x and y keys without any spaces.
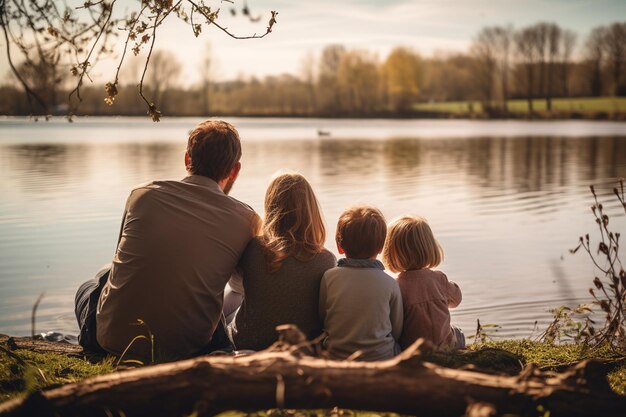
{"x":427,"y":295}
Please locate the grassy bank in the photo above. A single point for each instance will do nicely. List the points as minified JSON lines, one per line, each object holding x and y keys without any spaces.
{"x":23,"y":371}
{"x":583,"y":106}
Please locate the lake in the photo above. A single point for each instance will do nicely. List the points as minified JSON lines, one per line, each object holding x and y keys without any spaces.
{"x":506,"y":199}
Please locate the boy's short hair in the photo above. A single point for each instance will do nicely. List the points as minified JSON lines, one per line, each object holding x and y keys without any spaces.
{"x":214,"y":148}
{"x":361,"y":232}
{"x":410,"y":244}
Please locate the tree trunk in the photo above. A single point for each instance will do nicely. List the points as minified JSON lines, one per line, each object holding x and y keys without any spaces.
{"x":205,"y":98}
{"x":286,"y":376}
{"x":596,"y":80}
{"x":505,"y":87}
{"x":549,"y":87}
{"x":565,"y":71}
{"x":530,"y":86}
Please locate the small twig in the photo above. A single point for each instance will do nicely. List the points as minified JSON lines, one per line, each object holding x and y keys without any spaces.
{"x":152,"y":110}
{"x":85,"y":63}
{"x":34,"y":314}
{"x":89,"y":4}
{"x":271,"y":24}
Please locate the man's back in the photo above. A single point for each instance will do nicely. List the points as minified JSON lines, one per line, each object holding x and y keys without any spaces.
{"x":179,"y":244}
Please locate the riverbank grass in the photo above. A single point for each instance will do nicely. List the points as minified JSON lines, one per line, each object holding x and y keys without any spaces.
{"x":585,"y":105}
{"x":23,"y":371}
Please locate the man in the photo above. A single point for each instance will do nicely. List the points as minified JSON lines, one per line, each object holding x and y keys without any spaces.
{"x":180,"y":241}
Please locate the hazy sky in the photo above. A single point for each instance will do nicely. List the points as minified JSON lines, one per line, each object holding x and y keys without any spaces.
{"x":304,"y":28}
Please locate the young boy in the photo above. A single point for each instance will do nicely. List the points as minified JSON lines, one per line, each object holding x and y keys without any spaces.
{"x":360,"y":305}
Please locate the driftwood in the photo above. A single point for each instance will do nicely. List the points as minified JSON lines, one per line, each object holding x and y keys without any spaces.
{"x":286,"y":376}
{"x":42,"y":346}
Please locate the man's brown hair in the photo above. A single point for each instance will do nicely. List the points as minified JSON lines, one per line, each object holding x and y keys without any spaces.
{"x":361,"y":232}
{"x":214,"y":148}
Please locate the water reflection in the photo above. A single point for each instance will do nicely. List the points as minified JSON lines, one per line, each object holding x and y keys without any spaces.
{"x":519,"y":165}
{"x":35,"y":168}
{"x":505,"y":209}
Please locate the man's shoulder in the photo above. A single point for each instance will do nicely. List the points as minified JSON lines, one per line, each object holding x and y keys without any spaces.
{"x":145,"y":185}
{"x":240,"y":206}
{"x":141,"y":192}
{"x":151,"y":186}
{"x":181,"y":187}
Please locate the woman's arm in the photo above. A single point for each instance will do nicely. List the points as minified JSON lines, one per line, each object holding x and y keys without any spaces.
{"x":236,"y":281}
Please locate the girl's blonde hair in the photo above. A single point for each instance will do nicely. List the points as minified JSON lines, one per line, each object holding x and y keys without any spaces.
{"x":293,"y":224}
{"x":410,"y":244}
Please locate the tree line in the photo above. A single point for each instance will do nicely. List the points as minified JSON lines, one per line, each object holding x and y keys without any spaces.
{"x":540,"y":61}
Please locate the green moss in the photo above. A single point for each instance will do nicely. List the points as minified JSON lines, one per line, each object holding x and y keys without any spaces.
{"x":509,"y":356}
{"x":23,"y":371}
{"x":549,"y":356}
{"x":617,"y":378}
{"x":490,"y":359}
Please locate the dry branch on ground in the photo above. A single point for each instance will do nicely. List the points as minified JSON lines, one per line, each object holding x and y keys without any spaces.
{"x":286,"y":376}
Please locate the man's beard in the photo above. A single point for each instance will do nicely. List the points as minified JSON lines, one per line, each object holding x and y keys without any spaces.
{"x":228,"y":186}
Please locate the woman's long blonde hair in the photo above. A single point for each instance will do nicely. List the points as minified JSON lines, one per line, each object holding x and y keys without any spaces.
{"x":293,"y":224}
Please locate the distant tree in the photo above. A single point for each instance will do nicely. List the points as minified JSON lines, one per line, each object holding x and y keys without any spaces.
{"x":504,"y":37}
{"x":484,"y":50}
{"x":615,"y":44}
{"x":358,"y":80}
{"x":309,"y":75}
{"x":540,"y":43}
{"x":163,"y":74}
{"x":527,"y":56}
{"x":205,"y":70}
{"x":450,"y":78}
{"x":568,"y":42}
{"x":595,"y":59}
{"x":403,"y":77}
{"x":44,"y":78}
{"x":66,"y":38}
{"x":328,"y":84}
{"x":554,"y":34}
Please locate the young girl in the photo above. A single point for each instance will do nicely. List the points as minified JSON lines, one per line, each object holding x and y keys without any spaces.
{"x":412,"y":250}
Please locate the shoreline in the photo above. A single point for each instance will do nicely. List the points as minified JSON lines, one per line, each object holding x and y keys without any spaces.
{"x":556,"y":116}
{"x":30,"y":366}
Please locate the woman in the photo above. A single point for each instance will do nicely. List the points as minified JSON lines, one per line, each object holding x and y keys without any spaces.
{"x":283,"y":267}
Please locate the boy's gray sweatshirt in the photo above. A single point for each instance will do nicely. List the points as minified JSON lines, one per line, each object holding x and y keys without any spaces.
{"x":361,"y":307}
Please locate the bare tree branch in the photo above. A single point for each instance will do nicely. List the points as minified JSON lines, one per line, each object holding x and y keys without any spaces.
{"x":46,"y":34}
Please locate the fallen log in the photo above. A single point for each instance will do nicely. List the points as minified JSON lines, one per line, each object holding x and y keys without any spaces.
{"x":286,"y":376}
{"x":44,"y":346}
{"x":41,"y":346}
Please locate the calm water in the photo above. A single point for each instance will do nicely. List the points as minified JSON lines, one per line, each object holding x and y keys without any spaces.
{"x":506,"y":199}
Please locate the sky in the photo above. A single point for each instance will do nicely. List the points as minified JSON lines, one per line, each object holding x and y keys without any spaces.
{"x":305,"y":28}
